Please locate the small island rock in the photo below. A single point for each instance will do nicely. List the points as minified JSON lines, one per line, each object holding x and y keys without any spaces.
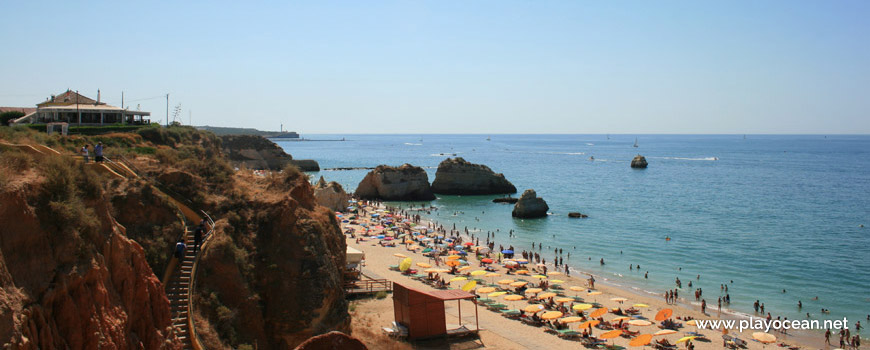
{"x":530,"y":206}
{"x":576,"y":214}
{"x":639,"y":162}
{"x":459,"y":177}
{"x":404,"y":183}
{"x":510,"y":200}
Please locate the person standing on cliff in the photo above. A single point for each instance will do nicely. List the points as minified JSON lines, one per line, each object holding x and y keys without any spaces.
{"x":197,"y":237}
{"x":84,"y":151}
{"x":98,"y":152}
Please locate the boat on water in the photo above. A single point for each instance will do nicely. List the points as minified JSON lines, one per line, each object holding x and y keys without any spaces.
{"x":635,"y":142}
{"x":488,"y":139}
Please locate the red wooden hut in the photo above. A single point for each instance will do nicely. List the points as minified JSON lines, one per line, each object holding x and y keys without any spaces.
{"x":422,"y":311}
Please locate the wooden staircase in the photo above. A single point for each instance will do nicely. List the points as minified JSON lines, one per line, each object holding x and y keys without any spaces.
{"x":178,"y":292}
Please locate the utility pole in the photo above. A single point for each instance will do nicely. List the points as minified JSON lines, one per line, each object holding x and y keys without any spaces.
{"x":78,"y":112}
{"x":190,"y":117}
{"x":167,"y":109}
{"x":122,"y":99}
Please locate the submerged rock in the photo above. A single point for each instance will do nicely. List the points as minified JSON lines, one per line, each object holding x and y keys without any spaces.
{"x":639,"y":162}
{"x":510,"y":200}
{"x":530,"y":206}
{"x":458,"y":176}
{"x":331,"y":195}
{"x":577,"y":214}
{"x":404,"y":183}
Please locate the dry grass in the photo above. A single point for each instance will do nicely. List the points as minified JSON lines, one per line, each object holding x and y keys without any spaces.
{"x":366,"y":326}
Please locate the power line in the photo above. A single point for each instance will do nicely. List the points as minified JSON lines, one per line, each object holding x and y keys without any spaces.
{"x":148,"y":98}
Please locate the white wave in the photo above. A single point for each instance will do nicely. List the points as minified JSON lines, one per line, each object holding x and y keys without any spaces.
{"x":413,"y":144}
{"x":590,"y":144}
{"x":686,"y":158}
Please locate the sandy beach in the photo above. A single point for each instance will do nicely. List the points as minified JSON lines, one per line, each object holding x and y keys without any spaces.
{"x":499,"y":332}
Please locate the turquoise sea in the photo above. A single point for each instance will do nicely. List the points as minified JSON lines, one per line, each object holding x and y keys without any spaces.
{"x":770,"y":212}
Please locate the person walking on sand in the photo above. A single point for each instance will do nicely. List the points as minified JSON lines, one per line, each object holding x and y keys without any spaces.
{"x":85,"y":152}
{"x":704,"y":306}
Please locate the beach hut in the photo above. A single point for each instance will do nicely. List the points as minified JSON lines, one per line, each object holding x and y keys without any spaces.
{"x":422,"y":311}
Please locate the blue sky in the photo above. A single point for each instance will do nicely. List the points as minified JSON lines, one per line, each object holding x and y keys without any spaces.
{"x":456,"y":66}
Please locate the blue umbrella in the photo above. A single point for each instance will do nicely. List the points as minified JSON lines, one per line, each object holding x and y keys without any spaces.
{"x":462,"y":252}
{"x":380,"y":236}
{"x":507,"y":251}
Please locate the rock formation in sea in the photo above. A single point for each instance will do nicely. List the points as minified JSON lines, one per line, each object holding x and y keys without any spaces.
{"x":257,"y":152}
{"x":458,"y":176}
{"x":510,"y":200}
{"x":404,"y":183}
{"x":331,"y":195}
{"x":576,"y":214}
{"x":639,"y":162}
{"x":530,"y":206}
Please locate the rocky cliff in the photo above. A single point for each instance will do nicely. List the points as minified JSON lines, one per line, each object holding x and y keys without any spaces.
{"x":331,"y":195}
{"x":530,"y":206}
{"x":457,"y":176}
{"x":69,"y":276}
{"x":404,"y":183}
{"x":639,"y":162}
{"x":257,"y":152}
{"x":274,"y":273}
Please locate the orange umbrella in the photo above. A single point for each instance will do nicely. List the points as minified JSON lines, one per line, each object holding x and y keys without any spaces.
{"x":641,"y":340}
{"x":764,"y":338}
{"x":665,"y":332}
{"x":534,"y":308}
{"x":550,"y":315}
{"x":464,"y":268}
{"x":505,"y":281}
{"x":424,"y":265}
{"x":485,"y":290}
{"x":533,"y":290}
{"x":519,"y":284}
{"x":589,"y":324}
{"x":570,"y":319}
{"x":611,"y":334}
{"x":664,"y":314}
{"x":564,"y":300}
{"x":598,"y":312}
{"x":640,"y":323}
{"x":452,"y":262}
{"x":513,"y":297}
{"x":523,"y":272}
{"x":546,"y":295}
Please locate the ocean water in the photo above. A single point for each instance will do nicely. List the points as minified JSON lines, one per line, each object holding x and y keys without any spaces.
{"x":769,"y":212}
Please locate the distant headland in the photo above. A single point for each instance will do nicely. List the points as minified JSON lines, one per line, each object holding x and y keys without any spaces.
{"x":220,"y":131}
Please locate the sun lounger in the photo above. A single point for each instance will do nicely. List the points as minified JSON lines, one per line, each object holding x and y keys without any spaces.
{"x":394,"y":267}
{"x":592,"y":342}
{"x":496,"y":307}
{"x":568,"y":334}
{"x":511,"y":313}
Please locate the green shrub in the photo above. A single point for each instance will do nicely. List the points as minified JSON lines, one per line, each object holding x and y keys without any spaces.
{"x":5,"y":117}
{"x":16,"y":161}
{"x":144,"y":150}
{"x":381,"y":295}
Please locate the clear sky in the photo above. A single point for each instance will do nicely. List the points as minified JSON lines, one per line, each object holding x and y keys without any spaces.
{"x":455,"y":66}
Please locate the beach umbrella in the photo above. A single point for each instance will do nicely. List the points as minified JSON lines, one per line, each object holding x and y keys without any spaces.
{"x":764,"y":338}
{"x":546,"y":295}
{"x":692,"y":322}
{"x":486,"y":260}
{"x":664,"y":314}
{"x":610,"y":335}
{"x":564,"y":300}
{"x":405,"y":265}
{"x":540,"y":277}
{"x":485,"y":290}
{"x":557,"y":281}
{"x":598,"y":312}
{"x":505,"y":281}
{"x":685,"y":339}
{"x":427,"y":250}
{"x":619,"y":300}
{"x":533,"y":290}
{"x":400,"y":255}
{"x":453,"y":263}
{"x":640,"y":323}
{"x":581,"y":307}
{"x":513,"y":297}
{"x":478,"y":273}
{"x":534,"y":308}
{"x":519,"y":284}
{"x":522,"y":261}
{"x":640,"y":305}
{"x":620,"y":318}
{"x":507,"y":251}
{"x":468,"y":244}
{"x":510,"y":263}
{"x":523,"y":272}
{"x":589,"y":324}
{"x":423,"y":265}
{"x":453,"y":257}
{"x":432,"y":270}
{"x":464,"y":268}
{"x":593,"y":293}
{"x":665,"y":332}
{"x":551,"y":315}
{"x":641,"y":340}
{"x":454,"y":279}
{"x":570,"y":319}
{"x":469,"y":286}
{"x":484,"y":250}
{"x":553,"y":273}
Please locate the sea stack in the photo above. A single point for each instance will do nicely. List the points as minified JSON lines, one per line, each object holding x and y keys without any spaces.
{"x":459,"y":177}
{"x":530,"y":206}
{"x":639,"y":162}
{"x":331,"y":195}
{"x":404,"y":183}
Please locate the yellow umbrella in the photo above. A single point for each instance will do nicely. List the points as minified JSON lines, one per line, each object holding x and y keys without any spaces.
{"x":570,"y":319}
{"x":557,"y":281}
{"x":423,"y":265}
{"x":505,"y":281}
{"x":577,"y":289}
{"x":400,"y":255}
{"x":641,"y":340}
{"x":533,"y":290}
{"x":764,"y":338}
{"x":485,"y":290}
{"x":405,"y":265}
{"x":581,"y":307}
{"x":691,"y":322}
{"x":564,"y":300}
{"x":685,"y":339}
{"x":469,"y":286}
{"x":553,"y":273}
{"x":495,"y":294}
{"x":432,"y":270}
{"x":593,"y":293}
{"x":513,"y":297}
{"x":546,"y":295}
{"x":539,"y":276}
{"x":493,"y":274}
{"x":534,"y":308}
{"x":519,"y":284}
{"x":464,"y":268}
{"x":639,"y":323}
{"x":665,"y":332}
{"x":551,"y":315}
{"x":454,"y":279}
{"x":478,"y":273}
{"x":598,"y":312}
{"x":640,"y":305}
